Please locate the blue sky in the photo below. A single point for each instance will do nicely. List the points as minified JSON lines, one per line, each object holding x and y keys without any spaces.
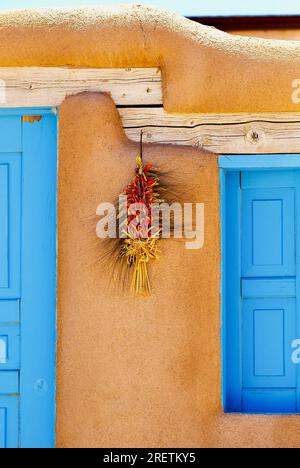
{"x":184,"y":7}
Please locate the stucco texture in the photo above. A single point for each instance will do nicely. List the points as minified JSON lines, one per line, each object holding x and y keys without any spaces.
{"x":204,"y":70}
{"x":140,"y":372}
{"x":135,"y":372}
{"x":132,"y":371}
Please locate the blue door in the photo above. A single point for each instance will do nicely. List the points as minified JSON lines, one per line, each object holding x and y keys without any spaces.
{"x":262,"y":291}
{"x":27,"y":279}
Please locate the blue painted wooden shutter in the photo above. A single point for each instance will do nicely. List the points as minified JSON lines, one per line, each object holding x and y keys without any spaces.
{"x":10,"y":222}
{"x":263,"y":210}
{"x":27,"y":280}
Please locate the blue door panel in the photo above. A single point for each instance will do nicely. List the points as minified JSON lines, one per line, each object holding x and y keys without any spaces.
{"x":9,"y":420}
{"x":9,"y":382}
{"x":11,"y":134}
{"x":268,"y":287}
{"x":2,"y":427}
{"x":9,"y":311}
{"x":10,"y":224}
{"x":262,"y":214}
{"x":38,"y":303}
{"x":268,"y":179}
{"x":267,"y":401}
{"x":9,"y":347}
{"x":268,"y":329}
{"x":232,"y":338}
{"x":268,"y":232}
{"x":27,"y":280}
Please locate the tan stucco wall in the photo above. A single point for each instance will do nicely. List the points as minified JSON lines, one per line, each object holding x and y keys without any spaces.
{"x":132,"y":372}
{"x":140,"y":372}
{"x":204,"y":70}
{"x":146,"y":372}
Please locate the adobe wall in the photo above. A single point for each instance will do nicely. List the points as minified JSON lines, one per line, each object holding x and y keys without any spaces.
{"x":132,"y":371}
{"x":146,"y":372}
{"x":140,"y":372}
{"x":204,"y":70}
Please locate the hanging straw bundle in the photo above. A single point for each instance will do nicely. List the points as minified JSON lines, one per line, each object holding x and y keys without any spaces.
{"x":140,"y":244}
{"x":139,"y":226}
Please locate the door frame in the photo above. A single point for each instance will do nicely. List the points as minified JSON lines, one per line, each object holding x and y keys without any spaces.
{"x":37,"y":381}
{"x":238,"y":163}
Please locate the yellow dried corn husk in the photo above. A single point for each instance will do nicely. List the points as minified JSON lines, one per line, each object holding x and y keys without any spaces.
{"x":138,"y":253}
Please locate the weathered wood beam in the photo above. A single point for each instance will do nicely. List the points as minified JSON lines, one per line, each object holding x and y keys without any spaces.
{"x":221,"y":133}
{"x":43,"y":87}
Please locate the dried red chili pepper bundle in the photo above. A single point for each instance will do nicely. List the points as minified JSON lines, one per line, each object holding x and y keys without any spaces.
{"x":140,"y":221}
{"x":139,"y":245}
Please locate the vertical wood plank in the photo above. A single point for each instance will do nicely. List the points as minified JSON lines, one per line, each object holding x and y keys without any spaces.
{"x":9,"y":422}
{"x":297,"y":240}
{"x":10,"y":218}
{"x":4,"y":228}
{"x":233,"y":288}
{"x":2,"y":427}
{"x":38,"y":329}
